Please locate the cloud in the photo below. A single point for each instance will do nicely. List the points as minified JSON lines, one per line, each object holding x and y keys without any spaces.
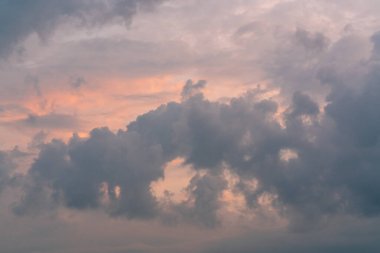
{"x":114,"y":171}
{"x":37,"y":141}
{"x":328,"y":147}
{"x":205,"y":192}
{"x":20,"y":19}
{"x":303,"y":156}
{"x":303,"y":105}
{"x":6,"y":166}
{"x":191,"y":88}
{"x":49,"y":121}
{"x":331,"y":170}
{"x":78,"y":170}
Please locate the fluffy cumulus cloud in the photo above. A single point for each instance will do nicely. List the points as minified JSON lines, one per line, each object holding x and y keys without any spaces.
{"x":278,"y":151}
{"x":312,"y":163}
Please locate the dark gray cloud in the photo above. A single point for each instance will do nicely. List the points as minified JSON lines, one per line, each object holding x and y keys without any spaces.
{"x":6,"y":166}
{"x":312,"y":42}
{"x":76,"y":172}
{"x":333,"y":168}
{"x":19,"y":19}
{"x":303,"y":105}
{"x":205,"y":133}
{"x":9,"y":176}
{"x":38,"y":140}
{"x":204,"y":201}
{"x":318,"y":164}
{"x":48,"y":121}
{"x":191,"y":88}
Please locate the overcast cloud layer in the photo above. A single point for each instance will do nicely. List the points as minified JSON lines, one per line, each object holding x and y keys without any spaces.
{"x":189,"y":126}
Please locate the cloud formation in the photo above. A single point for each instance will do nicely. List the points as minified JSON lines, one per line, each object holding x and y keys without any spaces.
{"x":308,"y":167}
{"x":5,"y":168}
{"x":20,"y":19}
{"x":51,"y":120}
{"x":285,"y":134}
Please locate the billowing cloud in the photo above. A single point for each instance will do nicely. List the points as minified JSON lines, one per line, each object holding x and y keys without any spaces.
{"x":20,"y":19}
{"x":306,"y":165}
{"x":283,"y":139}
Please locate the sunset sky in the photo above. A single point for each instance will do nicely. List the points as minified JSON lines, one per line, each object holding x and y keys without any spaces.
{"x":189,"y":126}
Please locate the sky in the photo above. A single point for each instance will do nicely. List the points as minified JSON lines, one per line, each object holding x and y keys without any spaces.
{"x":192,"y":126}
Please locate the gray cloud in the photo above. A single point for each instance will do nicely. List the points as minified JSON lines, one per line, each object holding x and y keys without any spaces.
{"x":316,"y":168}
{"x":77,"y":170}
{"x":205,"y":193}
{"x":333,"y":147}
{"x":37,"y":141}
{"x":48,"y":121}
{"x":190,"y":88}
{"x":303,"y":105}
{"x":6,"y":166}
{"x":312,"y":42}
{"x":332,"y":151}
{"x":20,"y":19}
